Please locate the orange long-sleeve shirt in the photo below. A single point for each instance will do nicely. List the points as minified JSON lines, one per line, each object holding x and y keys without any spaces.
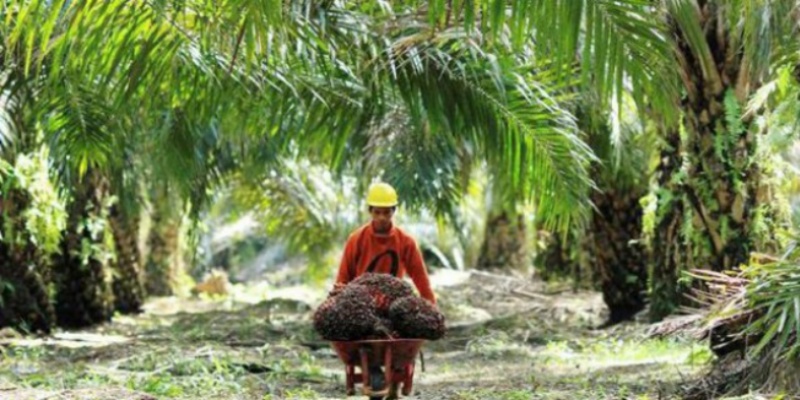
{"x":364,"y":247}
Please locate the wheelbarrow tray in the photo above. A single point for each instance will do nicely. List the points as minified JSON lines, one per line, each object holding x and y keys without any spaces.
{"x":396,"y":356}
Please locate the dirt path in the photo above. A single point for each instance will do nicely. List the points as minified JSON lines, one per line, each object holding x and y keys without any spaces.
{"x":507,"y":340}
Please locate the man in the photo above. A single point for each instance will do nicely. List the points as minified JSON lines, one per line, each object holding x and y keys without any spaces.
{"x":381,"y":247}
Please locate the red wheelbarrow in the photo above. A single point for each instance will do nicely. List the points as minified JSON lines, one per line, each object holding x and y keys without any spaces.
{"x":396,"y":356}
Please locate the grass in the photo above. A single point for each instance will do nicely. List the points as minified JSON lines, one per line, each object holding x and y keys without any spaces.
{"x":584,"y":367}
{"x":218,"y":350}
{"x":179,"y":367}
{"x":617,"y":352}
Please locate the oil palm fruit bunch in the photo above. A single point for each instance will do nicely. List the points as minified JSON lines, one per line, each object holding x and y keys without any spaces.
{"x":377,"y":306}
{"x":385,"y":289}
{"x":349,"y":315}
{"x":384,"y":329}
{"x":414,"y":317}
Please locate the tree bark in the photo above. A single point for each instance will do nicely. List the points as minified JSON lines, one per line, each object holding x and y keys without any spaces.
{"x":555,"y":260}
{"x":83,"y":280}
{"x":619,"y":260}
{"x":162,"y":266}
{"x":669,"y":253}
{"x":505,"y":244}
{"x":24,"y":301}
{"x":558,"y":261}
{"x":128,"y":283}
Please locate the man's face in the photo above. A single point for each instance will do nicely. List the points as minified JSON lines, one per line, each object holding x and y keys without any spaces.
{"x":381,"y":217}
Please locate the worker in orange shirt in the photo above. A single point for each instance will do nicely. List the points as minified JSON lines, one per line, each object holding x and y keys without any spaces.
{"x":380,"y":246}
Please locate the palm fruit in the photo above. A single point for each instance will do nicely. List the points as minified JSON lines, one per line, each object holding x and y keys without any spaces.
{"x":385,"y":289}
{"x":350,"y":315}
{"x":415,"y":318}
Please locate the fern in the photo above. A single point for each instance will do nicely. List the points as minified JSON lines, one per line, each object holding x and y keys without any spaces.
{"x":720,"y":142}
{"x":724,"y":228}
{"x":733,"y":118}
{"x":665,"y":199}
{"x":649,"y":205}
{"x":733,"y":114}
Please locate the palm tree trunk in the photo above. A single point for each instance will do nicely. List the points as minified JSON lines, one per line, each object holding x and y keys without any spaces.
{"x":505,"y":244}
{"x":84,"y":295}
{"x":557,"y":260}
{"x":720,"y":208}
{"x":162,"y":266}
{"x":669,"y":253}
{"x":128,"y":278}
{"x":724,"y":192}
{"x":24,"y":300}
{"x":620,"y":263}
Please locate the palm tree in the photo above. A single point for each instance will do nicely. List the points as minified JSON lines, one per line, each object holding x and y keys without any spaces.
{"x":81,"y":272}
{"x":752,"y":311}
{"x":696,"y":62}
{"x":161,"y":267}
{"x":128,"y":279}
{"x":32,"y":212}
{"x":721,"y":196}
{"x":103,"y":81}
{"x":24,"y":272}
{"x":89,"y":98}
{"x":124,"y":216}
{"x":446,"y":104}
{"x":614,"y":240}
{"x":558,"y":257}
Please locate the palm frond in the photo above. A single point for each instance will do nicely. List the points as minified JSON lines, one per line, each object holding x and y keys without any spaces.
{"x":17,"y":97}
{"x":686,"y":14}
{"x":81,"y":128}
{"x":774,"y":294}
{"x":623,"y":144}
{"x":759,"y":304}
{"x":620,"y":45}
{"x":319,"y":67}
{"x":769,"y":34}
{"x":425,"y":167}
{"x":301,"y":203}
{"x":510,"y":111}
{"x":513,"y":114}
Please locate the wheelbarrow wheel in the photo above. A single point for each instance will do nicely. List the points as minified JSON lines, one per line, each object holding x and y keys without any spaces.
{"x":376,"y":381}
{"x":391,"y":396}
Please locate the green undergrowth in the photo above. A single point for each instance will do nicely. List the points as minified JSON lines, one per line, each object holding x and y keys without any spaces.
{"x":219,"y":350}
{"x":167,"y":372}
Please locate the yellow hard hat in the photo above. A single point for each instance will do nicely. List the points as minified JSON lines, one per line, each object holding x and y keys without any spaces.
{"x":381,"y":195}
